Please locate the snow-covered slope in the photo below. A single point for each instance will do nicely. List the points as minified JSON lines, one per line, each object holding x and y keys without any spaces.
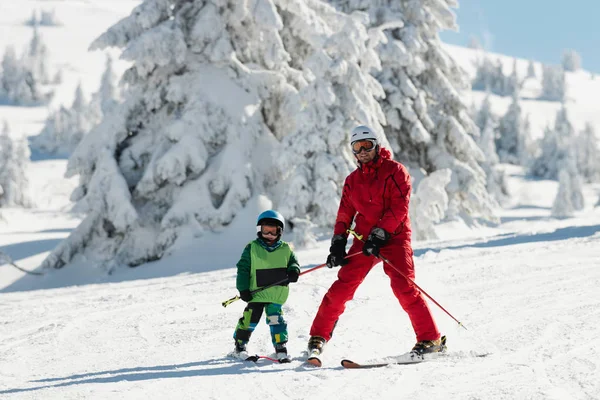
{"x":527,"y":292}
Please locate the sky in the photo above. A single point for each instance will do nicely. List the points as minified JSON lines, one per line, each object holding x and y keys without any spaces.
{"x":536,"y":29}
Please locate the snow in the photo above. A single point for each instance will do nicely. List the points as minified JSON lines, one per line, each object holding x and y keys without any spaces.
{"x":526,"y":289}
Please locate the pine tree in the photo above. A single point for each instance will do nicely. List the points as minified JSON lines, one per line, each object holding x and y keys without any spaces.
{"x":531,"y":70}
{"x":338,"y":95}
{"x":562,"y":207}
{"x":571,"y":60}
{"x":588,"y":154}
{"x":428,"y":125}
{"x":212,"y":90}
{"x":36,"y":58}
{"x":510,"y":142}
{"x":553,"y":83}
{"x":14,"y":158}
{"x":555,"y":147}
{"x":429,"y":204}
{"x":66,"y":127}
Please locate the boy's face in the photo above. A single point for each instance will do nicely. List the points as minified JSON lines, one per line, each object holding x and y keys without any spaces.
{"x":269,"y":233}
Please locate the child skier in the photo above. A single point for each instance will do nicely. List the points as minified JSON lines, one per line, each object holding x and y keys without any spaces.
{"x":265,"y":261}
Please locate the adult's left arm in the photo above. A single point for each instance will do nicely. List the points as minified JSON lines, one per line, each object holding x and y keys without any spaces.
{"x":399,"y":187}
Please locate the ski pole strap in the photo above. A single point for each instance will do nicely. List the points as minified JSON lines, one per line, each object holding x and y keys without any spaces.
{"x":353,"y":233}
{"x":231,"y":300}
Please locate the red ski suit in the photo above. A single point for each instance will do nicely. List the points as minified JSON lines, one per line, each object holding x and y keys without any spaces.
{"x":376,"y":195}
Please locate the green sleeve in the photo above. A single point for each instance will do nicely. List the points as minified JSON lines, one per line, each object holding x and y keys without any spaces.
{"x":243,"y":270}
{"x":293,"y":263}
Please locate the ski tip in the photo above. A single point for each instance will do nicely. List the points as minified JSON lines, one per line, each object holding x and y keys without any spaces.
{"x":350,"y":364}
{"x":314,"y":361}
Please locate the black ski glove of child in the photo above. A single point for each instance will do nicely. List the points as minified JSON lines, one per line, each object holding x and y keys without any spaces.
{"x":337,"y":252}
{"x":293,"y":276}
{"x":376,"y":240}
{"x":245,"y":295}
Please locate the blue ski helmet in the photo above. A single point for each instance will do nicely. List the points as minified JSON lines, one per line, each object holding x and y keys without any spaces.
{"x":271,"y":216}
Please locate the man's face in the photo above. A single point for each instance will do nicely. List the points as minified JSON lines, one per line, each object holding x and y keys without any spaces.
{"x":364,"y":150}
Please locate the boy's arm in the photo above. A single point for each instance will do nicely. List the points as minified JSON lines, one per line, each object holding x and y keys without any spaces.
{"x":293,"y":263}
{"x":243,"y":270}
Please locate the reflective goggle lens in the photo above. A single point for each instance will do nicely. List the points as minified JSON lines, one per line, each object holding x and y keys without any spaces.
{"x":269,"y":230}
{"x":365,"y":144}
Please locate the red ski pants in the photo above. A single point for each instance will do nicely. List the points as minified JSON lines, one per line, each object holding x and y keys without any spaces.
{"x":351,"y":275}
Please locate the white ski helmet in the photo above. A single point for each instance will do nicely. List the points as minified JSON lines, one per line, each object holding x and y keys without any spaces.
{"x":362,"y":132}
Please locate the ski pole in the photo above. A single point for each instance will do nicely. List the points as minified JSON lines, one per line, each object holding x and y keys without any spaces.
{"x":360,"y":237}
{"x":236,"y":298}
{"x":5,"y":258}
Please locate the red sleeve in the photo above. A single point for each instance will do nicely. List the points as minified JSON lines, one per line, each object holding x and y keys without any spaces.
{"x":400,"y":187}
{"x":346,"y":211}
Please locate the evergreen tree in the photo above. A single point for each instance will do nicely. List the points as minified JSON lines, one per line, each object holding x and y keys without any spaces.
{"x":571,"y":60}
{"x":338,"y":95}
{"x":531,"y":70}
{"x":562,"y":207}
{"x":65,"y":128}
{"x":485,"y":115}
{"x":428,"y":125}
{"x":553,"y":83}
{"x":429,"y":204}
{"x":36,"y":58}
{"x":214,"y":86}
{"x":555,"y":146}
{"x":588,"y":154}
{"x":510,"y":141}
{"x":14,"y":158}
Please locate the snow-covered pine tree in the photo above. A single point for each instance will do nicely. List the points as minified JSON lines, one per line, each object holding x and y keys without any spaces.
{"x":496,"y":178}
{"x":487,"y":79}
{"x":555,"y":147}
{"x":562,"y":207}
{"x":428,"y":125}
{"x":510,"y":142}
{"x":339,"y":94}
{"x":210,"y":92}
{"x":107,"y":95}
{"x":429,"y":204}
{"x":20,"y":79}
{"x":571,"y":60}
{"x":65,"y":128}
{"x":36,"y":58}
{"x":588,"y":154}
{"x":484,"y":114}
{"x":553,"y":83}
{"x":14,"y":158}
{"x":531,"y":70}
{"x":49,"y":18}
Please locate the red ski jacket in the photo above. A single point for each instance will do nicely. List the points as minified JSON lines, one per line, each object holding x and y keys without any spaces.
{"x":376,"y":195}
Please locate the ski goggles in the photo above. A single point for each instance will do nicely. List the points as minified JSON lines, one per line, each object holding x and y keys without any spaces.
{"x":363,"y":144}
{"x":267,"y":230}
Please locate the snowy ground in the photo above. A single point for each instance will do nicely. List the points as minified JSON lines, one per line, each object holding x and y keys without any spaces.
{"x":527,"y":291}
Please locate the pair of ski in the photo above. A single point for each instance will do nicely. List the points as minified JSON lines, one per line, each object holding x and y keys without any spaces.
{"x":409,"y":358}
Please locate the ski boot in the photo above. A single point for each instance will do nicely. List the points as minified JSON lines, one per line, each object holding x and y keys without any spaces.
{"x":281,"y":353}
{"x":240,"y":351}
{"x":428,"y":347}
{"x":315,"y":348}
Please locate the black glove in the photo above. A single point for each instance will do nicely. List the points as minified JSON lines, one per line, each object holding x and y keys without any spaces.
{"x":376,"y":240}
{"x":293,"y":276}
{"x":245,"y":295}
{"x":337,"y":252}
